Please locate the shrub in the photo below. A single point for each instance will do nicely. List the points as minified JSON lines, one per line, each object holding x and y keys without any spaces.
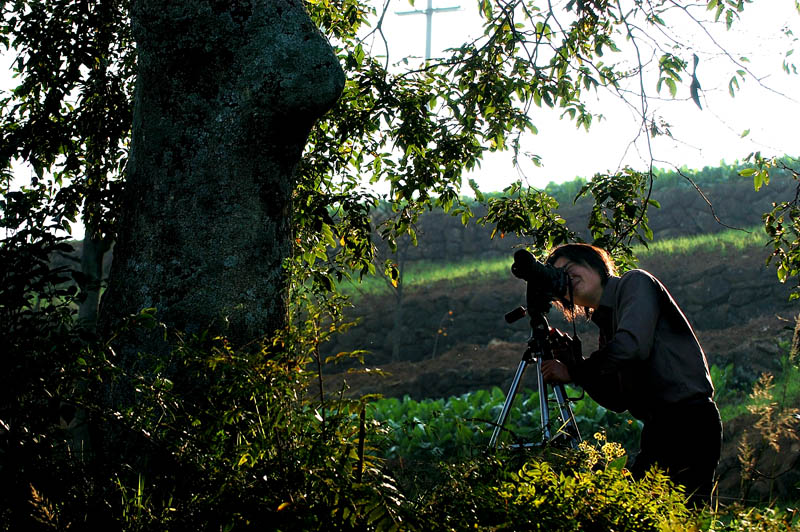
{"x":212,"y":439}
{"x":540,"y":498}
{"x":587,"y":489}
{"x":249,"y":449}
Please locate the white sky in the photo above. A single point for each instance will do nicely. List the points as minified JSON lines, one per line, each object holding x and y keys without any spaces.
{"x":702,"y":138}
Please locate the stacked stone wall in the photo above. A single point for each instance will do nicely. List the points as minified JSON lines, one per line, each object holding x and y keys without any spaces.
{"x":684,"y":212}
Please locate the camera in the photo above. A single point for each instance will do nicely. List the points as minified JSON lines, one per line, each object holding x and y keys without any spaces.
{"x":548,"y":282}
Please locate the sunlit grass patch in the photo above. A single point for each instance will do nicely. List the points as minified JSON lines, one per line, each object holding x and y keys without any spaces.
{"x":724,"y":242}
{"x":425,"y":272}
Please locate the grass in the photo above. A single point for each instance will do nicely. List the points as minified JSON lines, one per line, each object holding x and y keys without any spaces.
{"x":725,"y":242}
{"x":424,"y":273}
{"x":734,"y":400}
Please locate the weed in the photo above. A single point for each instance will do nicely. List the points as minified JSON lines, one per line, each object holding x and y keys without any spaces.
{"x":776,"y":422}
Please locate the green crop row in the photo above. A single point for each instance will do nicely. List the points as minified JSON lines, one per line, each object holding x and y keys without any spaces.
{"x":461,"y":426}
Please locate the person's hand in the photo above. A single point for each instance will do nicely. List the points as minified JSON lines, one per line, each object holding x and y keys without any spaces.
{"x":555,"y":372}
{"x":564,"y":347}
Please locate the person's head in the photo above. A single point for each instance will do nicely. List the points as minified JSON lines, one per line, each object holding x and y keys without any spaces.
{"x":589,"y":269}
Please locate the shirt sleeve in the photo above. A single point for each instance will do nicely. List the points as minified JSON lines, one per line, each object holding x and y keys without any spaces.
{"x":637,"y":310}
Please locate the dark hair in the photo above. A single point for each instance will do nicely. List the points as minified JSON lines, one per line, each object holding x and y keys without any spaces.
{"x":592,"y":256}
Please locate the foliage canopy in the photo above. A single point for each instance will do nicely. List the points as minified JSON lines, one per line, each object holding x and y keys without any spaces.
{"x":416,"y":127}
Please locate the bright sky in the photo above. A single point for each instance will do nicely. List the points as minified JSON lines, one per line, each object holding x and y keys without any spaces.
{"x":702,"y":138}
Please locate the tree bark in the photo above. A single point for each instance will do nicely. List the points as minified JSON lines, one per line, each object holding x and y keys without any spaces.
{"x":94,"y":250}
{"x":226,"y":95}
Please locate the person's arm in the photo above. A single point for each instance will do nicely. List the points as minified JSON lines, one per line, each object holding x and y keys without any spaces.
{"x":638,"y":307}
{"x":606,"y":389}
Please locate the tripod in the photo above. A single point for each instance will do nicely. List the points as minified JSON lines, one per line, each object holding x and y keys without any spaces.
{"x":539,"y":349}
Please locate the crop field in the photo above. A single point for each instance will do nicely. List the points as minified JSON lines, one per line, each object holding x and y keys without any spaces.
{"x":460,"y":426}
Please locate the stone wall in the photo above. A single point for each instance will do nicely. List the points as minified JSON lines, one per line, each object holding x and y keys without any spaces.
{"x":683,"y":212}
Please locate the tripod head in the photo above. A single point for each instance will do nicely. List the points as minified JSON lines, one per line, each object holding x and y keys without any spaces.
{"x":539,"y":341}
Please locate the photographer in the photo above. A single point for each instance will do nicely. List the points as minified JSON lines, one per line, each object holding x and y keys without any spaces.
{"x":649,"y":362}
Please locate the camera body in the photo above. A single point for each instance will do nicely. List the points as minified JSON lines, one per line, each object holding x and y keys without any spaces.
{"x":545,"y":282}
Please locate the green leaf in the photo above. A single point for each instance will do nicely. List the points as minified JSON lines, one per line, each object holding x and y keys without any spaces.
{"x":358,"y":54}
{"x":478,"y":194}
{"x":618,"y":463}
{"x":733,"y":86}
{"x":673,"y":88}
{"x":765,"y":176}
{"x":328,"y":234}
{"x":758,"y":180}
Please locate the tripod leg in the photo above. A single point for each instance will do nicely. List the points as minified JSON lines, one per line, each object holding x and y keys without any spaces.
{"x":512,"y":393}
{"x":544,"y":407}
{"x":570,"y":426}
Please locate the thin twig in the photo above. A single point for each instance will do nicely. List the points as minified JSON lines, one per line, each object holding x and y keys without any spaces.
{"x":644,"y":108}
{"x":727,"y":53}
{"x":708,"y":202}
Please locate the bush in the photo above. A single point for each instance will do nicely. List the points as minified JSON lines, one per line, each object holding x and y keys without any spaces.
{"x":239,"y":445}
{"x":539,"y":498}
{"x":212,"y":439}
{"x":587,"y":489}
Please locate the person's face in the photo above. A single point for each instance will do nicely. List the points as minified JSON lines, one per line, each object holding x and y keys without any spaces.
{"x":587,"y":285}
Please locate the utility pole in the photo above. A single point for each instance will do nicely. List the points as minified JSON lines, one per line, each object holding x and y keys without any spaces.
{"x":429,"y":22}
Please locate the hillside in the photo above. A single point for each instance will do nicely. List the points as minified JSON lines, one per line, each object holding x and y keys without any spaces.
{"x":450,"y":337}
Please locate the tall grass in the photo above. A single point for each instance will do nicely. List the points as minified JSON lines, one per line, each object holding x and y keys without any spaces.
{"x":420,"y":274}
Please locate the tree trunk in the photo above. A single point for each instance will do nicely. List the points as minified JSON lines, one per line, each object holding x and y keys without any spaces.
{"x":226,"y":95}
{"x":75,"y":419}
{"x":94,"y":250}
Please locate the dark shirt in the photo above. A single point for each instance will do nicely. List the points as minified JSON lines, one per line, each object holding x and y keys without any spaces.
{"x":649,"y":357}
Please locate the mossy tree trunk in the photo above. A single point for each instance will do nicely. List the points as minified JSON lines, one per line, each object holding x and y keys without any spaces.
{"x":226,"y":95}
